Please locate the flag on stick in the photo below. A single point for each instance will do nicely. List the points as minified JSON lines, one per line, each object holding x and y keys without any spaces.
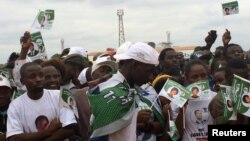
{"x":67,"y":100}
{"x":230,"y":8}
{"x":175,"y":92}
{"x":37,"y":51}
{"x":44,"y":19}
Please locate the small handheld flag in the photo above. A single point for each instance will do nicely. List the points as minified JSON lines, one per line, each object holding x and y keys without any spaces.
{"x":67,"y":100}
{"x":44,"y":19}
{"x":230,"y":8}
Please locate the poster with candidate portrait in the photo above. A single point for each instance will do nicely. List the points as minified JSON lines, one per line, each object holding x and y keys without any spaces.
{"x":175,"y":92}
{"x":200,"y":90}
{"x":44,"y":19}
{"x":229,"y":113}
{"x":230,"y":8}
{"x":68,"y":100}
{"x":197,"y":118}
{"x":37,"y":50}
{"x":241,"y":95}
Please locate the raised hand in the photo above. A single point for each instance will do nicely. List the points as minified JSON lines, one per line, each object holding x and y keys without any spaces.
{"x":226,"y":37}
{"x":26,"y":44}
{"x":210,"y":38}
{"x":26,"y":40}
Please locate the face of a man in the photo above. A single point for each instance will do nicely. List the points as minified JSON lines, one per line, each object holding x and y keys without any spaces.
{"x":31,"y":47}
{"x":33,"y":78}
{"x":195,"y":92}
{"x":247,"y":99}
{"x":234,"y":52}
{"x":42,"y":124}
{"x":173,"y":92}
{"x":142,"y":73}
{"x":52,"y":78}
{"x":171,"y":59}
{"x":198,"y":114}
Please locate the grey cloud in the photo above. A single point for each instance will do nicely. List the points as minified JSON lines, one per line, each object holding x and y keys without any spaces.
{"x":94,"y":23}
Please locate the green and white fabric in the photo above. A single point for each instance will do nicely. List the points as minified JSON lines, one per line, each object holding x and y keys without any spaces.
{"x":67,"y":100}
{"x":240,"y":90}
{"x":180,"y":97}
{"x":113,"y":109}
{"x":173,"y":133}
{"x":232,"y":7}
{"x":203,"y":90}
{"x":44,"y":19}
{"x":148,"y":99}
{"x":37,"y":39}
{"x":229,"y":113}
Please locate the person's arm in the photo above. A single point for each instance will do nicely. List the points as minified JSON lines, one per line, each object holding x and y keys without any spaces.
{"x":62,"y":133}
{"x":226,"y":37}
{"x":68,"y":121}
{"x":38,"y":136}
{"x":2,"y":136}
{"x":210,"y":39}
{"x":25,"y":45}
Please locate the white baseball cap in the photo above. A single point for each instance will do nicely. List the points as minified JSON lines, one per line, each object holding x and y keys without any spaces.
{"x":82,"y":76}
{"x":4,"y":81}
{"x":123,"y":48}
{"x":104,"y":61}
{"x":78,"y":50}
{"x":141,"y":52}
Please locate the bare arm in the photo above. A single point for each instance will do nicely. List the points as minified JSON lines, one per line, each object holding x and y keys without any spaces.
{"x":210,"y":39}
{"x":62,"y":133}
{"x":54,"y":126}
{"x":26,"y":43}
{"x":2,"y":136}
{"x":36,"y":136}
{"x":226,"y":37}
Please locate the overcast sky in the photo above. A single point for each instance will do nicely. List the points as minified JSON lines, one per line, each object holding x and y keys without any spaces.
{"x":93,"y":24}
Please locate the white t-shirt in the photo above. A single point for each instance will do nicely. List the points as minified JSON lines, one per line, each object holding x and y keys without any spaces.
{"x":24,"y":113}
{"x":197,"y":119}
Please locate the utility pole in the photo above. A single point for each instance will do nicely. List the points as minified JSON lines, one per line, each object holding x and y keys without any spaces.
{"x":120,"y":13}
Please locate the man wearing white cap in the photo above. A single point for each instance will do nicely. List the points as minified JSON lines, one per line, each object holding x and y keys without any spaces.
{"x":113,"y":105}
{"x":5,"y":98}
